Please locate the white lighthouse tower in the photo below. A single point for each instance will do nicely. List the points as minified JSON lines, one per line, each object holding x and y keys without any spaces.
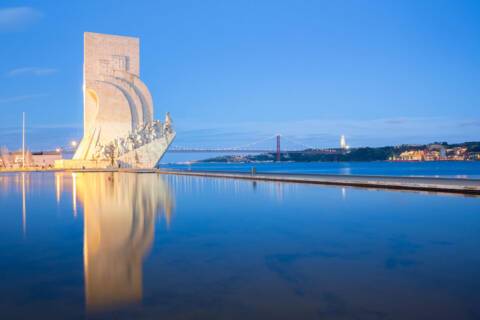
{"x":343,"y":142}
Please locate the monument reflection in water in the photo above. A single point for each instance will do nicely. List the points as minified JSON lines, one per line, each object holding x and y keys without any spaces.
{"x":235,"y":250}
{"x":120,"y":211}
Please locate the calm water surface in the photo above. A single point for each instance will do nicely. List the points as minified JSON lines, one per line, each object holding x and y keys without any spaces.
{"x":144,"y":246}
{"x":454,"y":169}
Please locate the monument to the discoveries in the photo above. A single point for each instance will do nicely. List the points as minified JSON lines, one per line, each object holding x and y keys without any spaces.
{"x":119,"y":129}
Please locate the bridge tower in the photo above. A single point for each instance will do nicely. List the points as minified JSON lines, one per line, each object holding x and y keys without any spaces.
{"x":278,"y":149}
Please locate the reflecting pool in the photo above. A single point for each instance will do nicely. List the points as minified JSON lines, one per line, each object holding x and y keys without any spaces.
{"x":147,"y":246}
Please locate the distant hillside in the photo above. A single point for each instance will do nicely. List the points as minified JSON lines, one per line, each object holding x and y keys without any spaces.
{"x":354,"y":154}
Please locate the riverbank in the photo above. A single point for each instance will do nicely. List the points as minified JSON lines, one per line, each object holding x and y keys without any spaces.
{"x":13,"y":170}
{"x":429,"y":152}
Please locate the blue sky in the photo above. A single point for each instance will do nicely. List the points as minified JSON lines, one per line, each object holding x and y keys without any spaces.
{"x":233,"y":72}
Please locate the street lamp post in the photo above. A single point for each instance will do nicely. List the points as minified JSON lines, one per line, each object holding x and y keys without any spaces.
{"x":23,"y":139}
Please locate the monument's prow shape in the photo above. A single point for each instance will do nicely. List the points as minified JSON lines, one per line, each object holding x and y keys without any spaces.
{"x":119,"y":129}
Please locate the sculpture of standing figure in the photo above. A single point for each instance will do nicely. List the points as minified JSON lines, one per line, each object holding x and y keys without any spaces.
{"x":168,"y":122}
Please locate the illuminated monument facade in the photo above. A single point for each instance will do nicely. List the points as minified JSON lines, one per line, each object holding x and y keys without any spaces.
{"x":119,"y":129}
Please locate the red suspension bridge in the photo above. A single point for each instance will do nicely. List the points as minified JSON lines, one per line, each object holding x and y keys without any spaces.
{"x":257,"y":147}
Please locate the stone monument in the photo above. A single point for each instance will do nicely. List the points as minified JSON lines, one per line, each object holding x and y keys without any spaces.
{"x":118,"y":129}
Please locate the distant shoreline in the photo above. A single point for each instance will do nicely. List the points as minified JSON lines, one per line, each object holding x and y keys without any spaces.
{"x":466,"y":151}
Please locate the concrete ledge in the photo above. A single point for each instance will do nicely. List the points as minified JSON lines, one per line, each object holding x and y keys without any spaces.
{"x":29,"y":169}
{"x":79,"y":164}
{"x":428,"y":184}
{"x":443,"y":185}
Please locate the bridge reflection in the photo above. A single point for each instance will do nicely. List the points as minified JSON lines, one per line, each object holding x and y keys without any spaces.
{"x":120,"y":211}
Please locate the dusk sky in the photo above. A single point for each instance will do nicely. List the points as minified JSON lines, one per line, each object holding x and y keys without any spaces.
{"x":233,"y":72}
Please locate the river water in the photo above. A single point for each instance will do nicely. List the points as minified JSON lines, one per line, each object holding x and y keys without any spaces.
{"x":147,"y":246}
{"x":454,"y":169}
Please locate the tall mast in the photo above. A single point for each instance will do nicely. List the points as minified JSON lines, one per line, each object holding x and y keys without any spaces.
{"x":23,"y":140}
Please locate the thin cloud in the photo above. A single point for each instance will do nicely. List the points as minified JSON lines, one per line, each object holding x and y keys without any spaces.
{"x":43,"y":137}
{"x":396,"y":121}
{"x":18,"y":18}
{"x":59,"y":126}
{"x":326,"y":132}
{"x":36,"y":71}
{"x":473,"y":123}
{"x":21,"y":98}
